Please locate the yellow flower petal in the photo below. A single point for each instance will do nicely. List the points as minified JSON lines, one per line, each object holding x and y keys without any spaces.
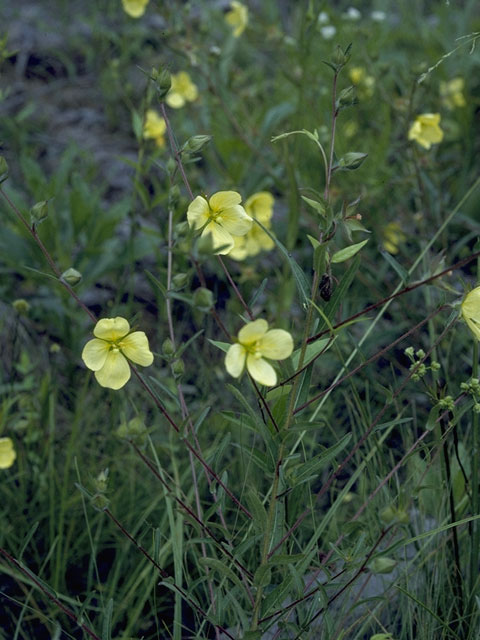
{"x":260,"y":206}
{"x":7,"y":453}
{"x":252,"y":331}
{"x":237,"y":17}
{"x":276,"y":344}
{"x":111,"y":328}
{"x":224,"y":200}
{"x":222,"y":241}
{"x":239,"y":251}
{"x":95,"y":353}
{"x":261,"y":371}
{"x":235,"y":220}
{"x":135,"y":347}
{"x":235,"y":360}
{"x":471,"y":311}
{"x":115,"y":373}
{"x":175,"y":100}
{"x":198,"y":213}
{"x":135,"y":8}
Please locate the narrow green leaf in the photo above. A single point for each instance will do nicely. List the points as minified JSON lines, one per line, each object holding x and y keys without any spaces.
{"x":313,"y":467}
{"x":222,"y":569}
{"x":348,"y":252}
{"x":256,"y":508}
{"x":401,"y":271}
{"x":224,"y":346}
{"x":107,"y":621}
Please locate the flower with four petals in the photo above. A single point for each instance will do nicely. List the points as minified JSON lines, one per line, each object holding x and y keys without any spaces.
{"x":260,"y":207}
{"x":471,"y":311}
{"x":255,"y":343}
{"x":426,"y":130}
{"x":154,"y":128}
{"x":222,"y":217}
{"x":107,"y":353}
{"x":182,"y":90}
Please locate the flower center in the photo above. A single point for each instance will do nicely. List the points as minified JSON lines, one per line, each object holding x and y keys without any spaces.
{"x":254,"y":350}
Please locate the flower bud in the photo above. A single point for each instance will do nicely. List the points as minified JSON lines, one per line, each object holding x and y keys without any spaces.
{"x":39,"y":212}
{"x":195,"y":143}
{"x":21,"y":306}
{"x":101,"y":481}
{"x":163,"y":83}
{"x":173,"y":196}
{"x":178,"y":368}
{"x":3,"y":169}
{"x":203,"y":299}
{"x":179,"y":280}
{"x":341,"y":57}
{"x":346,"y":97}
{"x":72,"y":276}
{"x":134,"y":429}
{"x":382,"y":565}
{"x":352,"y":160}
{"x":167,"y":348}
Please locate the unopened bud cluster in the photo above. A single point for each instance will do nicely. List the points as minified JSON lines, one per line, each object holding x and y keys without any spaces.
{"x":420,"y":368}
{"x":472,"y":388}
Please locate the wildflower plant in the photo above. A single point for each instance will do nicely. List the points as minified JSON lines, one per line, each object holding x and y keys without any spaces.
{"x":281,"y":464}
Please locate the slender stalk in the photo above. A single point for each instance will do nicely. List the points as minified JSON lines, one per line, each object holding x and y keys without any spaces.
{"x":475,"y":548}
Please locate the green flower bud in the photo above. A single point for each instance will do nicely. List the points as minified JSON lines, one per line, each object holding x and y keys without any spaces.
{"x":100,"y":501}
{"x":39,"y":212}
{"x":382,"y":565}
{"x":195,"y":143}
{"x":167,"y":348}
{"x":340,"y":57}
{"x":72,"y":276}
{"x":388,"y":515}
{"x":3,"y":169}
{"x":420,"y":354}
{"x":179,"y":280}
{"x":352,"y":160}
{"x":21,"y":306}
{"x":409,"y":352}
{"x":346,"y":97}
{"x":203,"y":299}
{"x":178,"y":368}
{"x":173,"y":196}
{"x":163,"y":83}
{"x":101,"y":481}
{"x":134,"y":429}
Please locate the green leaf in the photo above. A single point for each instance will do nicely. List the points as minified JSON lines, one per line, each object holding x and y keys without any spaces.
{"x":313,"y":467}
{"x":348,"y":252}
{"x":107,"y":621}
{"x":224,"y":346}
{"x":256,"y":508}
{"x":222,"y":569}
{"x":263,"y":575}
{"x":319,"y":207}
{"x":401,"y":271}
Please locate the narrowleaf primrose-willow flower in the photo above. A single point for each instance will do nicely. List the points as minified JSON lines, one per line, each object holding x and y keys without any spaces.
{"x":452,"y":93}
{"x":255,"y":343}
{"x":222,"y":217}
{"x":393,"y":237}
{"x":426,"y":130}
{"x":154,"y":128}
{"x":182,"y":90}
{"x":259,"y":207}
{"x":107,"y":353}
{"x":135,"y":8}
{"x":471,"y":311}
{"x":237,"y":17}
{"x":7,"y":453}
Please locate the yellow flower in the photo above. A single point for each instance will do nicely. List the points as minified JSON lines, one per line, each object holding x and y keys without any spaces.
{"x":254,"y":344}
{"x":451,"y":93}
{"x":182,"y":89}
{"x":7,"y":453}
{"x":365,"y":84}
{"x":471,"y":311}
{"x":135,"y":8}
{"x":237,"y":17}
{"x":393,"y":236}
{"x":154,"y":127}
{"x":260,"y":207}
{"x":222,"y":217}
{"x":426,"y":130}
{"x":107,"y":353}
